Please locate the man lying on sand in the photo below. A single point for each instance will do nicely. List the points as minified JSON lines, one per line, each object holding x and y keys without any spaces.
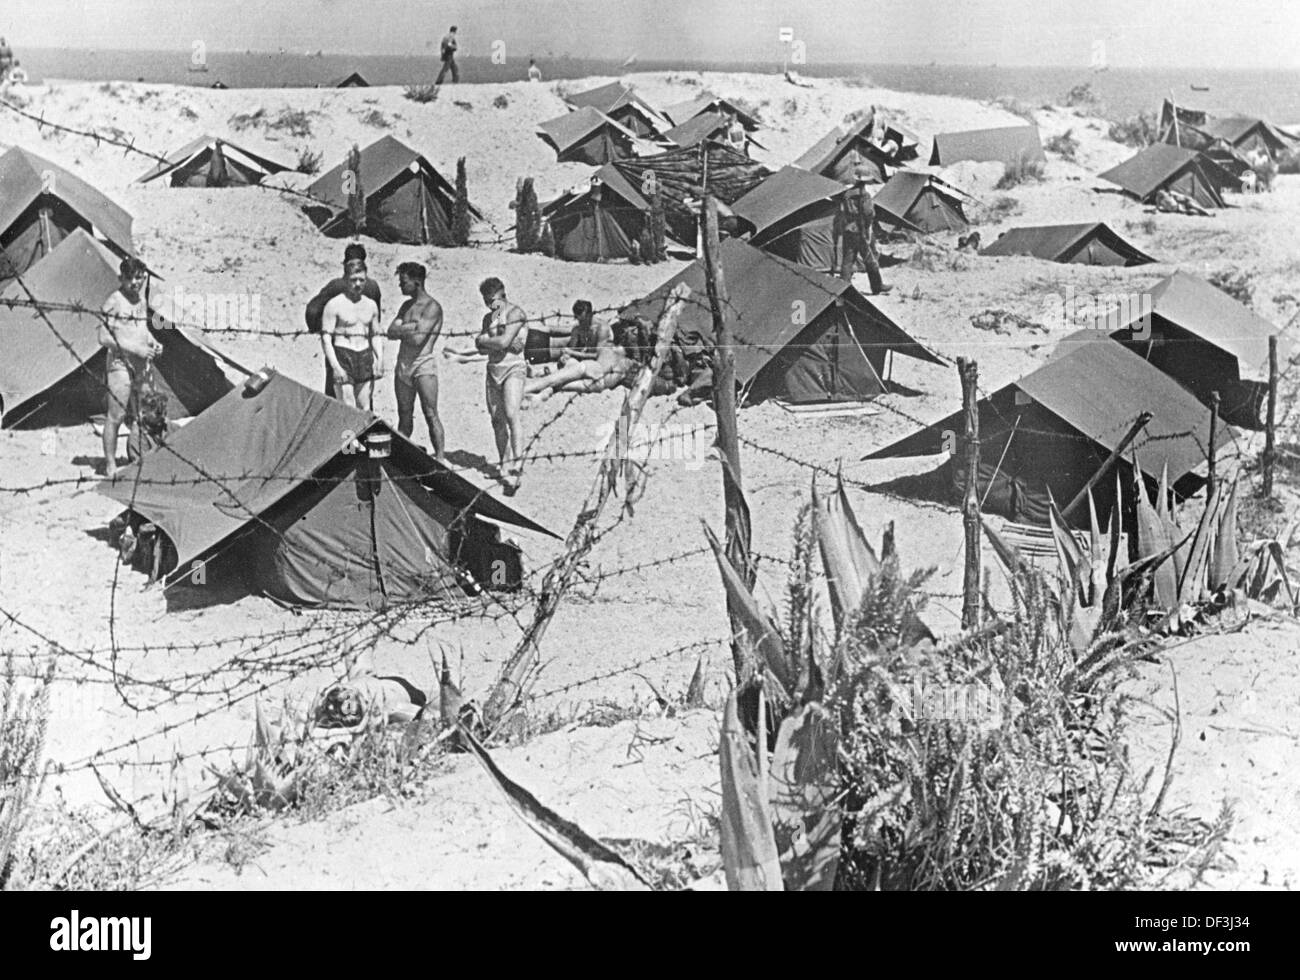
{"x":1175,"y":202}
{"x":615,"y":363}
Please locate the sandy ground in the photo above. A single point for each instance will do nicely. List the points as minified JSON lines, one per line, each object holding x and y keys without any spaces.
{"x":61,"y":582}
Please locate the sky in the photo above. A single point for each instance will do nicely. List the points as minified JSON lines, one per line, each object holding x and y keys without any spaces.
{"x":1249,"y":34}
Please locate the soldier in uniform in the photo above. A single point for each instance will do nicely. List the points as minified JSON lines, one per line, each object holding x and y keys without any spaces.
{"x":855,"y":230}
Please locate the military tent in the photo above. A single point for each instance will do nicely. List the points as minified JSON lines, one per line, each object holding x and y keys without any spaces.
{"x":792,"y":214}
{"x":800,"y":336}
{"x":919,"y":201}
{"x":351,"y":80}
{"x":840,"y":153}
{"x":708,"y":102}
{"x":53,"y":371}
{"x":210,"y":161}
{"x":1203,"y":339}
{"x":287,"y":489}
{"x":1010,"y":145}
{"x":1200,"y":130}
{"x":588,"y":136}
{"x":681,"y":176}
{"x":706,"y":126}
{"x":41,"y":204}
{"x":1090,"y":243}
{"x":406,"y":199}
{"x":1051,"y":431}
{"x":601,"y":221}
{"x":1173,"y":168}
{"x":621,"y":103}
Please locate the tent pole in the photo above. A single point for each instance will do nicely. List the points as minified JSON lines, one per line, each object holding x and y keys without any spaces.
{"x":724,"y":408}
{"x":1270,"y":420}
{"x":1138,"y":425}
{"x":1174,"y":107}
{"x":968,"y":370}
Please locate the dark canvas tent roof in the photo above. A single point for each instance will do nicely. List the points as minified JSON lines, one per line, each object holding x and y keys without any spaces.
{"x":840,"y":152}
{"x":792,"y":214}
{"x":587,"y":135}
{"x":589,"y":228}
{"x":707,"y":125}
{"x":708,"y":102}
{"x":621,"y":103}
{"x":191,"y":165}
{"x":833,"y":350}
{"x":1212,"y":315}
{"x":53,"y":370}
{"x":1054,"y":427}
{"x":351,"y":80}
{"x":1240,"y":131}
{"x":1008,"y":144}
{"x":407,"y":200}
{"x":276,"y":475}
{"x":920,"y":201}
{"x":1163,"y":166}
{"x":1090,"y":243}
{"x":24,"y":178}
{"x":680,"y":175}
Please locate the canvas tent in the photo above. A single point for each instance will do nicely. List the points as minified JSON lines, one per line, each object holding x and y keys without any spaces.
{"x":53,"y":371}
{"x":706,"y":126}
{"x":1205,"y":340}
{"x":599,"y":222}
{"x":918,"y":201}
{"x":1010,"y":145}
{"x":351,"y":80}
{"x":1090,"y":243}
{"x":588,"y":136}
{"x":406,"y":199}
{"x":305,"y":514}
{"x":792,"y":214}
{"x":708,"y":102}
{"x":1051,"y":430}
{"x":840,"y":153}
{"x":210,"y":161}
{"x":681,"y":174}
{"x":621,"y":103}
{"x":801,"y":336}
{"x":1174,"y":168}
{"x":1201,"y":130}
{"x":41,"y":204}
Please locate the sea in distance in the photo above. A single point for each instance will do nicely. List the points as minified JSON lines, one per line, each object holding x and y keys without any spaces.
{"x":1120,"y":92}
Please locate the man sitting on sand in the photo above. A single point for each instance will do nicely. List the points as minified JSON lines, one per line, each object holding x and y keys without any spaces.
{"x":352,"y":340}
{"x":615,"y":363}
{"x":417,"y":325}
{"x":354,"y":250}
{"x":124,"y":331}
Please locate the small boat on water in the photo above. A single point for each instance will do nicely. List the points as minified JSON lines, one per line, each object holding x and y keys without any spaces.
{"x":1200,"y":88}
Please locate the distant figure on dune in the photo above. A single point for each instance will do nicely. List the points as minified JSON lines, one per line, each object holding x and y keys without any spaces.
{"x":449,"y":48}
{"x":534,"y":73}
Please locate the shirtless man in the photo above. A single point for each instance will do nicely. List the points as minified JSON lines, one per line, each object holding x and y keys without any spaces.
{"x":589,"y":335}
{"x":353,"y":341}
{"x":609,"y":365}
{"x":124,"y":331}
{"x":417,"y":325}
{"x":502,"y":340}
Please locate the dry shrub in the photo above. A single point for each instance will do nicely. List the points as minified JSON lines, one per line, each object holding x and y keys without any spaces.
{"x":1237,"y":283}
{"x":1140,"y":130}
{"x":1064,"y":145}
{"x":1016,"y":107}
{"x":998,"y":210}
{"x":309,"y":161}
{"x":1018,"y":172}
{"x":420,"y":93}
{"x":24,"y":716}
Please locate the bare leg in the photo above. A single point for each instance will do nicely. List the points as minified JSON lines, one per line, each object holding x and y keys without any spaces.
{"x":365,"y":395}
{"x":111,"y":428}
{"x":345,"y":393}
{"x":514,"y":396}
{"x":405,"y":391}
{"x":427,"y":386}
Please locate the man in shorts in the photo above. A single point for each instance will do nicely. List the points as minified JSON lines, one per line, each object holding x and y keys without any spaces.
{"x":502,"y":340}
{"x":124,"y":332}
{"x":353,"y":341}
{"x":354,"y":250}
{"x":417,"y":325}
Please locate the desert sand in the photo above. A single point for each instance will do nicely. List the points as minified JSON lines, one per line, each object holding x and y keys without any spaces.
{"x":60,"y":582}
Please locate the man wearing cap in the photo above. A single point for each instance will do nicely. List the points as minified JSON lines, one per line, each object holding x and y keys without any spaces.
{"x":855,"y":230}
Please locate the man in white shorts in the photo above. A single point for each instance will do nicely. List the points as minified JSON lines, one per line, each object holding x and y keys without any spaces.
{"x":353,"y":341}
{"x":417,"y":325}
{"x":124,"y":332}
{"x":502,"y":339}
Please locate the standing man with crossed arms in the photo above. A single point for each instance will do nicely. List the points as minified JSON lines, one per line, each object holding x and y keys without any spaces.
{"x":353,"y":340}
{"x":417,"y":325}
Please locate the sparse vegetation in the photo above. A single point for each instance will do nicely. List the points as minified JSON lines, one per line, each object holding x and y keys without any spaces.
{"x":1140,"y":130}
{"x":1081,"y":95}
{"x":1145,"y":225}
{"x":501,"y":102}
{"x":1015,"y":174}
{"x":995,"y":211}
{"x":24,"y":716}
{"x":1063,"y":144}
{"x":373,"y":117}
{"x":1016,"y":107}
{"x":1237,"y":283}
{"x":309,"y":161}
{"x":295,"y":122}
{"x":420,"y":93}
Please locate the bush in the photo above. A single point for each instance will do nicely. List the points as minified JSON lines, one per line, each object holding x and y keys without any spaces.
{"x":1140,"y":130}
{"x":1016,"y":107}
{"x":23,"y":721}
{"x":1081,"y":95}
{"x":309,"y":161}
{"x":528,"y":217}
{"x":1064,"y":145}
{"x":998,"y":210}
{"x":420,"y":93}
{"x":374,"y":117}
{"x":460,"y":207}
{"x":1019,"y":172}
{"x":501,"y":102}
{"x":1237,"y":283}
